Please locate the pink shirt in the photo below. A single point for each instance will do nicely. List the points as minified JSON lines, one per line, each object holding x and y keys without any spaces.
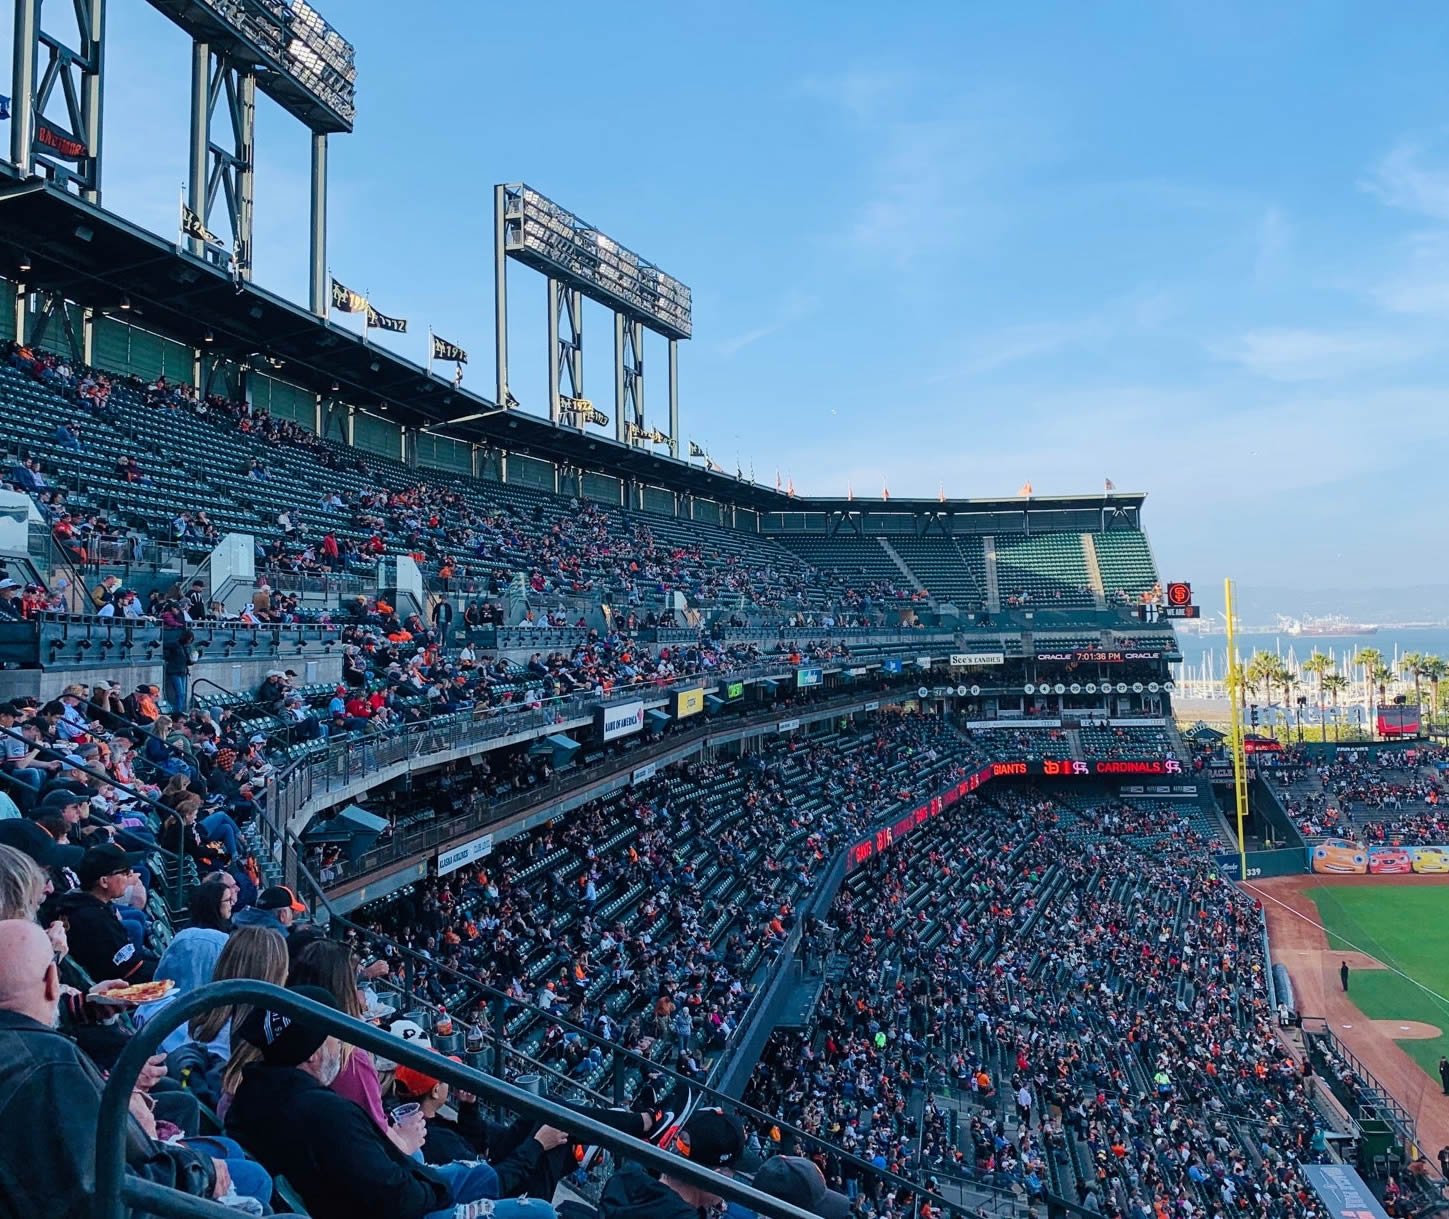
{"x":358,"y":1082}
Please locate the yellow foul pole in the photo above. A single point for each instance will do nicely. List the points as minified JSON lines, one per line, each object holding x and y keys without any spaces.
{"x":1240,"y":768}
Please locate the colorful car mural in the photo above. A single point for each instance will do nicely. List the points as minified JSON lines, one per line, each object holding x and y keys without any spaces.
{"x":1390,"y":861}
{"x":1430,"y":859}
{"x":1335,"y":855}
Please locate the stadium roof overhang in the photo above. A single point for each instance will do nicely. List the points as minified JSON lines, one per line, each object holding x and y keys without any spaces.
{"x":95,"y":258}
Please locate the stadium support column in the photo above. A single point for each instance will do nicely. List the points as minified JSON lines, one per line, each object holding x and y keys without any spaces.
{"x":565,"y":345}
{"x":22,"y":83}
{"x":200,"y":159}
{"x":320,"y":288}
{"x":674,"y":397}
{"x":68,"y":88}
{"x":628,"y":378}
{"x":500,"y":294}
{"x":215,"y":168}
{"x":92,"y":94}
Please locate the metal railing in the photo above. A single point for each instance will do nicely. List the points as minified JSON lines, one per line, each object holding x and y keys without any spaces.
{"x":1375,"y":1094}
{"x":485,"y":814}
{"x":116,"y":1190}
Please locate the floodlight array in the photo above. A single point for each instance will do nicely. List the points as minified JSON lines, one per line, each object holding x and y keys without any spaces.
{"x":561,"y":242}
{"x":299,"y":44}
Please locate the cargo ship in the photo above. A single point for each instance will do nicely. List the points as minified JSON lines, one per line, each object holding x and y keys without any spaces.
{"x":1326,"y":628}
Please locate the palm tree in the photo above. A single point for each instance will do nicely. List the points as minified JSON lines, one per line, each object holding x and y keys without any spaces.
{"x":1370,"y":660}
{"x":1335,"y":684}
{"x":1320,"y":665}
{"x":1411,"y":664}
{"x":1436,"y":670}
{"x":1287,"y":681}
{"x":1260,"y":673}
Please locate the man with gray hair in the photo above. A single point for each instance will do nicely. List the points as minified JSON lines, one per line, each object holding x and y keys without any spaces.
{"x":50,"y":1096}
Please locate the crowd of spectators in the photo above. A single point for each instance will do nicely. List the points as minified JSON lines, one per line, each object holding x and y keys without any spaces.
{"x":1100,"y":1008}
{"x":648,"y":918}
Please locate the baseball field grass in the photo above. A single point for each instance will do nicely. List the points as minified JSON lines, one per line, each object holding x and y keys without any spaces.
{"x":1407,"y":930}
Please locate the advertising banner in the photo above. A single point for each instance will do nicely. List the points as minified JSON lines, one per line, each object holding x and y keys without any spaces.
{"x":788,"y":725}
{"x":1093,"y":656}
{"x":1430,"y":859}
{"x":460,"y":856}
{"x":619,"y":720}
{"x":735,"y":689}
{"x":1333,"y":856}
{"x":644,"y":773}
{"x":805,"y":678}
{"x":923,"y":662}
{"x":891,"y":664}
{"x":1342,"y":1192}
{"x":1390,"y":861}
{"x":687,"y":703}
{"x":964,"y":660}
{"x":873,"y":705}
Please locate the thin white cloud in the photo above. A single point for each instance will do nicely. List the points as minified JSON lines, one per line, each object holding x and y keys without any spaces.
{"x":1403,"y":179}
{"x":1321,"y":355}
{"x":791,"y":309}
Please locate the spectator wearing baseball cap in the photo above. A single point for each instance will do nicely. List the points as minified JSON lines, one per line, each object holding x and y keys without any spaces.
{"x":327,"y":1147}
{"x":798,"y":1181}
{"x":710,"y":1138}
{"x":99,"y":940}
{"x":276,"y":908}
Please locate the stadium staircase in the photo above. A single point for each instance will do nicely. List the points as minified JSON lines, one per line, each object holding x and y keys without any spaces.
{"x":895,"y":557}
{"x":1094,"y":570}
{"x":990,"y":584}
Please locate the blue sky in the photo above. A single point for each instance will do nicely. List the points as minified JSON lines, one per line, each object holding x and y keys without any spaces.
{"x":1199,"y":249}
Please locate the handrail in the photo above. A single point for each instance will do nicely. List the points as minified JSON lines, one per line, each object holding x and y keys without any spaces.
{"x":499,"y":999}
{"x":115,"y":1189}
{"x":433,"y":834}
{"x":178,"y":894}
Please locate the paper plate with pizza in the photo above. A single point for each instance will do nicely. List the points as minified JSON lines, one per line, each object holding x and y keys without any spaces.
{"x":141,"y":992}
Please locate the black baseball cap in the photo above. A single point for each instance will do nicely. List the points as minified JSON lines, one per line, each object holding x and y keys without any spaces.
{"x":27,"y":836}
{"x":279,"y":897}
{"x":107,"y":860}
{"x":286,"y":1041}
{"x":711,"y":1138}
{"x":62,"y":797}
{"x":800,"y":1182}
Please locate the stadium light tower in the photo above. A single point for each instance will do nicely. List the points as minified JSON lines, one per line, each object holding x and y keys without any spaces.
{"x":579,"y":261}
{"x":58,"y":132}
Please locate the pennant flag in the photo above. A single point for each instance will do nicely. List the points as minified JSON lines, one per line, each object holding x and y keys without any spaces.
{"x":444,"y":350}
{"x":58,"y":142}
{"x":739,"y":473}
{"x":1025,"y":489}
{"x":849,"y":491}
{"x":1110,"y":485}
{"x":885,"y":493}
{"x":778,"y":487}
{"x":381,"y":321}
{"x":941,"y":492}
{"x":790,"y":488}
{"x":711,"y":465}
{"x":695,"y":450}
{"x":4,"y":106}
{"x":194,"y":230}
{"x":346,"y":300}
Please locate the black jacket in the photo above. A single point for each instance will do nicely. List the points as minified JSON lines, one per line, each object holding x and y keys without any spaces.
{"x":99,"y":941}
{"x":631,"y":1193}
{"x":328,"y":1148}
{"x":50,"y":1097}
